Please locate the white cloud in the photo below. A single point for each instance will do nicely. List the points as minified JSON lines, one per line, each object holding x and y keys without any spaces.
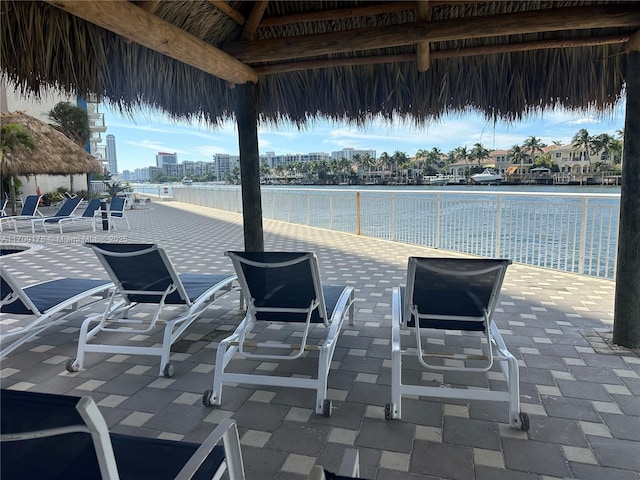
{"x":151,"y":145}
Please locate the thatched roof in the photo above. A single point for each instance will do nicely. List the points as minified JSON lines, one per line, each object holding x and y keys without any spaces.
{"x":347,"y":60}
{"x":53,"y":153}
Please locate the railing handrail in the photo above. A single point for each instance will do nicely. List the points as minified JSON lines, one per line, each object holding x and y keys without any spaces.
{"x":572,"y":232}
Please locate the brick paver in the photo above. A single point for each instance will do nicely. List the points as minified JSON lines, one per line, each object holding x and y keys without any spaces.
{"x":581,"y":395}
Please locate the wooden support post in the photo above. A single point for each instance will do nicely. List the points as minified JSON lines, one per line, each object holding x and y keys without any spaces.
{"x":626,"y":324}
{"x":247,"y":119}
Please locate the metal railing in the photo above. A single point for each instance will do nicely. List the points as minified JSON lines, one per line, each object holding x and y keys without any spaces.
{"x":575,"y":233}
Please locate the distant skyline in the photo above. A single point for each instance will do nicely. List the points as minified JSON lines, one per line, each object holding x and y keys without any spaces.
{"x":139,"y":140}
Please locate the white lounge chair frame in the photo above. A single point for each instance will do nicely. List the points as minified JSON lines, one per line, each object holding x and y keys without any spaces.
{"x":45,"y":319}
{"x":90,"y":214}
{"x":95,"y":424}
{"x":238,"y":342}
{"x":24,"y":213}
{"x":491,"y":342}
{"x":73,"y":201}
{"x":117,"y":213}
{"x":115,"y":317}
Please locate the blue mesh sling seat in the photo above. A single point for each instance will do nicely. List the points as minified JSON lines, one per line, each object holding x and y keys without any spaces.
{"x":116,"y":212}
{"x":29,"y":211}
{"x":67,"y":209}
{"x":144,"y":276}
{"x":452,"y":295}
{"x":283,"y":287}
{"x":48,"y":302}
{"x":90,"y":214}
{"x":58,"y":437}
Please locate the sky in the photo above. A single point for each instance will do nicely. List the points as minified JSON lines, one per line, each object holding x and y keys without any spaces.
{"x":138,"y":140}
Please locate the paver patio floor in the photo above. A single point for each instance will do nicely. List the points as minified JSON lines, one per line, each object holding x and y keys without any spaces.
{"x":582,"y":396}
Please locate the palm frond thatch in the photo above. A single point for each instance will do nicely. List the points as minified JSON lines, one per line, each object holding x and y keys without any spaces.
{"x":52,"y":154}
{"x":43,"y":45}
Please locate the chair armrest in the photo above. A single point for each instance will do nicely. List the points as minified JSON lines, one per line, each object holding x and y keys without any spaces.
{"x":228,"y":433}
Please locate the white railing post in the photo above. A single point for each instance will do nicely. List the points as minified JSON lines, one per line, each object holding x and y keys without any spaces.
{"x":498,"y":225}
{"x":583,"y":237}
{"x":331,"y":211}
{"x":437,"y":239}
{"x":392,"y":218}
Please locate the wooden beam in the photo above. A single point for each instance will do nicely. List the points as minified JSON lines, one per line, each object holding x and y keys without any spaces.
{"x":338,"y":14}
{"x":137,"y":25}
{"x":342,"y":13}
{"x":247,"y":121}
{"x":441,"y":54}
{"x":634,"y":43}
{"x":423,"y":13}
{"x":148,"y":5}
{"x":255,"y":16}
{"x":228,"y":11}
{"x":626,"y":318}
{"x":567,"y":18}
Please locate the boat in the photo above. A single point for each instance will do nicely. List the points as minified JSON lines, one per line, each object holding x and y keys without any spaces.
{"x":487,"y":177}
{"x":436,"y":180}
{"x":187,"y":181}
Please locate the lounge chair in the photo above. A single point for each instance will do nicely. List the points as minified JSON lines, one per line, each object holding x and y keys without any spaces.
{"x":62,"y":437}
{"x":452,"y":294}
{"x":50,"y":302}
{"x":29,"y":211}
{"x":116,"y":212}
{"x":144,"y":275}
{"x":91,"y":214}
{"x":283,"y":287}
{"x":67,"y":209}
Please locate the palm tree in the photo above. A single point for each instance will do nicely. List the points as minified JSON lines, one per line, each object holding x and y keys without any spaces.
{"x":531,"y":146}
{"x":479,"y":153}
{"x":73,"y":122}
{"x":265,"y":171}
{"x":582,"y":140}
{"x":606,"y":144}
{"x":517,"y":155}
{"x":13,"y":135}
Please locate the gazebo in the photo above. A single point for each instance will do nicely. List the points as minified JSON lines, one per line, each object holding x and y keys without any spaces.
{"x":53,"y":153}
{"x":285,"y":62}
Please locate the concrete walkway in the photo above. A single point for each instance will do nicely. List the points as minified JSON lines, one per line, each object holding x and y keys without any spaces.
{"x":582,"y":396}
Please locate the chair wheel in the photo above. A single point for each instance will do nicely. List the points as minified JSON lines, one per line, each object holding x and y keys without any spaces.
{"x":206,"y":398}
{"x":167,"y":371}
{"x":327,"y":407}
{"x":72,"y":365}
{"x":524,"y":421}
{"x":389,"y":411}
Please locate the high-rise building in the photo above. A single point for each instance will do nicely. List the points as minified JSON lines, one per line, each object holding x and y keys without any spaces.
{"x":112,"y":157}
{"x":163,"y":158}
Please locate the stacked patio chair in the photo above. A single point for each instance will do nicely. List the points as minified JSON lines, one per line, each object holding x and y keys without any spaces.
{"x":452,"y":295}
{"x":62,"y":437}
{"x":48,"y":302}
{"x":283,"y":288}
{"x":144,"y":276}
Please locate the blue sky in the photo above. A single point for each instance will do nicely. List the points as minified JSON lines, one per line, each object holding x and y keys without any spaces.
{"x":139,"y":140}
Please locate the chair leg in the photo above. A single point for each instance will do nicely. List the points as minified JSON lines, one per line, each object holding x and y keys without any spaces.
{"x":323,"y":405}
